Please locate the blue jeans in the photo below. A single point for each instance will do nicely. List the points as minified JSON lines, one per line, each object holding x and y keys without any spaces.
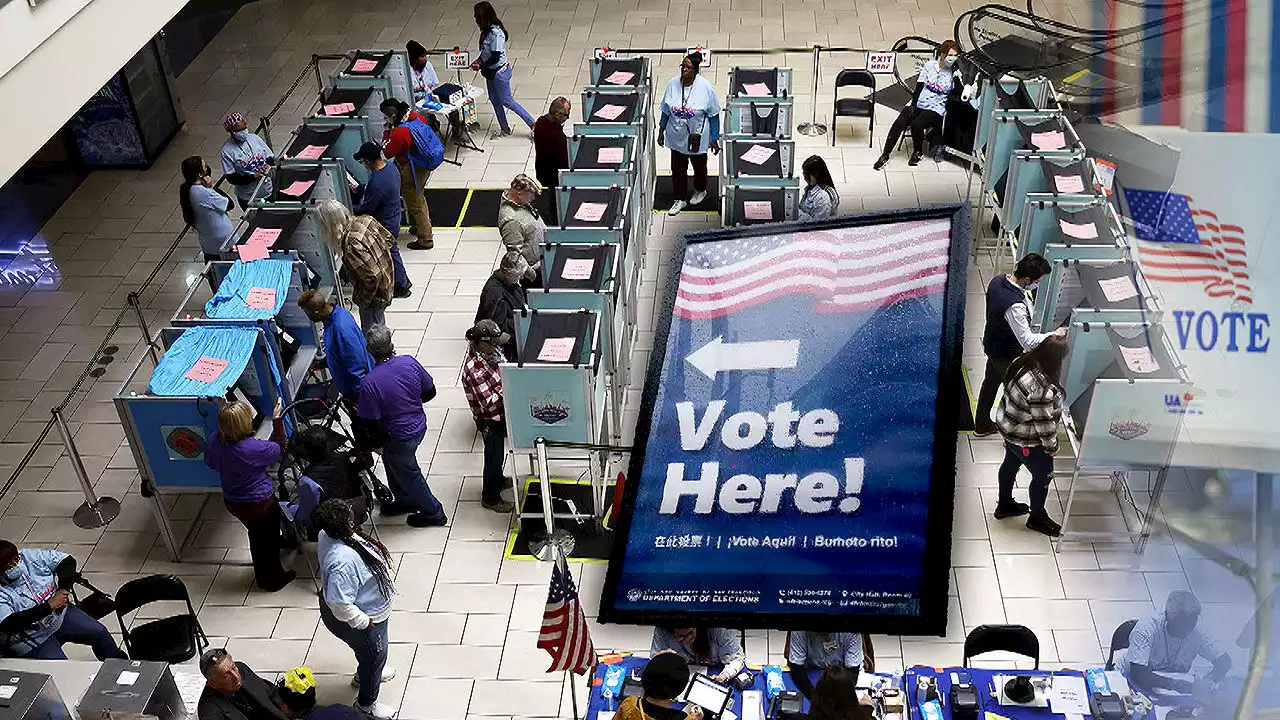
{"x":500,"y":95}
{"x":79,"y":628}
{"x":371,"y":316}
{"x":370,"y":647}
{"x":397,"y":265}
{"x":405,"y":477}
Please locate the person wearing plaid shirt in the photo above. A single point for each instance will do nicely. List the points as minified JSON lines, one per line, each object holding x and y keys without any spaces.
{"x":364,"y":247}
{"x":1028,"y":415}
{"x":482,"y":385}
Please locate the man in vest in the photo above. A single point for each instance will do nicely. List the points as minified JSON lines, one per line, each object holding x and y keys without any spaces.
{"x":1008,"y":332}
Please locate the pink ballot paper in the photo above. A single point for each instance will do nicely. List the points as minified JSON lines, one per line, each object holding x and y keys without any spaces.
{"x":578,"y":269}
{"x":758,"y":209}
{"x":609,"y":112}
{"x":266,"y":237}
{"x":261,"y":298}
{"x":1117,"y":289}
{"x":1081,"y":231}
{"x":363,"y":65}
{"x":339,"y":109}
{"x":590,"y":212}
{"x":1068,"y":183}
{"x":619,"y":78}
{"x":1139,"y":360}
{"x":1053,"y":140}
{"x":252,"y":251}
{"x":556,"y":349}
{"x":756,"y":90}
{"x":311,"y":152}
{"x":298,"y":187}
{"x":609,"y":155}
{"x":206,"y":370}
{"x":758,"y":154}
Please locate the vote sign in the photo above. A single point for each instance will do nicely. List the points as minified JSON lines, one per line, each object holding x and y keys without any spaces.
{"x":881,"y":63}
{"x":794,"y":462}
{"x":457,"y":60}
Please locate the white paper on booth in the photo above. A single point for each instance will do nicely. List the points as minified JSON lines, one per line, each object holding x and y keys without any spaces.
{"x":556,"y":349}
{"x":609,"y":112}
{"x":1139,"y":359}
{"x":127,"y":677}
{"x":7,"y":691}
{"x":590,"y":212}
{"x":1080,"y":231}
{"x":1051,"y":140}
{"x":1069,"y":695}
{"x":758,"y":209}
{"x":577,"y":269}
{"x":758,"y":154}
{"x":1118,"y":289}
{"x":1068,"y":183}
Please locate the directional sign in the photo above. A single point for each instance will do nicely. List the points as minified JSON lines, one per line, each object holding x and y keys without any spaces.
{"x":881,"y":63}
{"x":706,"y":54}
{"x":457,"y":60}
{"x":794,"y":465}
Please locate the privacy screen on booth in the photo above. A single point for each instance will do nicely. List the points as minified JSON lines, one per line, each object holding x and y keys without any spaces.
{"x":794,"y":463}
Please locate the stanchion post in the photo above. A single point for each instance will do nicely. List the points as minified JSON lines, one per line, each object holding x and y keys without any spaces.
{"x":813,"y":127}
{"x":96,"y":512}
{"x":556,"y":540}
{"x":142,"y":325}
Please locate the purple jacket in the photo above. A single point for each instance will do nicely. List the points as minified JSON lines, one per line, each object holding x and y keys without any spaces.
{"x":243,"y":467}
{"x":393,"y":392}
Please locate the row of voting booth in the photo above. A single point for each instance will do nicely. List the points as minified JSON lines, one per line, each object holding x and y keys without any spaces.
{"x":248,"y":340}
{"x":758,"y":162}
{"x":568,"y":381}
{"x":1047,"y":196}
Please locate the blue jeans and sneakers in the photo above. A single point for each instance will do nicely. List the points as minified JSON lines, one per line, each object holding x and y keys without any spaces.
{"x":500,"y":95}
{"x":370,"y":647}
{"x":408,"y":483}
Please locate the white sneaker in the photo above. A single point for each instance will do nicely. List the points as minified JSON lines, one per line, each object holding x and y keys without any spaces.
{"x":698,"y":197}
{"x":497,"y":134}
{"x":676,"y":207}
{"x":377,"y":711}
{"x":388,"y":674}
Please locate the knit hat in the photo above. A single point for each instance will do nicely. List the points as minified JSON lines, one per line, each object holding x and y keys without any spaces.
{"x":231,"y":119}
{"x":415,"y":49}
{"x":524,"y":183}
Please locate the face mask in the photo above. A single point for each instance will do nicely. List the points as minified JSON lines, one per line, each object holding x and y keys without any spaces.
{"x":950,"y":60}
{"x":240,"y":135}
{"x":13,"y":574}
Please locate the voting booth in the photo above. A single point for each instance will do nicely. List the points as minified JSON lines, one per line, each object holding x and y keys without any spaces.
{"x":31,"y":696}
{"x":289,"y":231}
{"x":601,"y":161}
{"x":386,"y":71}
{"x":340,"y":106}
{"x":332,"y":139}
{"x":758,"y":161}
{"x":748,"y":82}
{"x":615,"y":72}
{"x":132,"y":688}
{"x":303,"y":183}
{"x":1105,"y":289}
{"x":1071,"y":227}
{"x":760,"y":103}
{"x":620,"y":111}
{"x":749,"y":205}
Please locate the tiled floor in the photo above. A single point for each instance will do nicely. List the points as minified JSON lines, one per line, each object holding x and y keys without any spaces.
{"x":464,"y":626}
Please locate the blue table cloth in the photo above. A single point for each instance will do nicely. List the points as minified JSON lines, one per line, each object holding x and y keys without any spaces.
{"x":983,"y":681}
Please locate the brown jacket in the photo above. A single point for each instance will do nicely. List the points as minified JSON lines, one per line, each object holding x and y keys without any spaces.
{"x":366,"y":255}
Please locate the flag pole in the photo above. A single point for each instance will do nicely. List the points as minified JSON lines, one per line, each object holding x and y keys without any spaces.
{"x":573,"y":694}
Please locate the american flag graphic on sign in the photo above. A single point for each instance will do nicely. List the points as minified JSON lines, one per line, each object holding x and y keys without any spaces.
{"x":845,"y":270}
{"x":1185,"y":243}
{"x":564,"y":626}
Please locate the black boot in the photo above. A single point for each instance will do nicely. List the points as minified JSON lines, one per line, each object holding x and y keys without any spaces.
{"x":1011,"y":509}
{"x":880,"y":162}
{"x":1044,"y":524}
{"x":915,"y":159}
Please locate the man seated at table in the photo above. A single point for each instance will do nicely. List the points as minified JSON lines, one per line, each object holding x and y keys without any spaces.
{"x":662,"y":680}
{"x":1169,"y":643}
{"x":817,"y":650}
{"x":234,"y":692}
{"x":703,"y":646}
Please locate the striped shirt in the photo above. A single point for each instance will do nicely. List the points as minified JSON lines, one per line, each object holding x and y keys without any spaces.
{"x":1029,"y":411}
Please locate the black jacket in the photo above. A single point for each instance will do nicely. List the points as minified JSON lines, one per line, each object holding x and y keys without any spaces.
{"x":499,"y":303}
{"x":256,"y":699}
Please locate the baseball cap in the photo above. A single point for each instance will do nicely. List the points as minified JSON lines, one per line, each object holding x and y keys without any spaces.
{"x":487,"y":330}
{"x":369,"y":151}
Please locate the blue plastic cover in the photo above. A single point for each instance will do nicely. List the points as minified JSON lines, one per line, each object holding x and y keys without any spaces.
{"x":234,"y":345}
{"x":230,"y":301}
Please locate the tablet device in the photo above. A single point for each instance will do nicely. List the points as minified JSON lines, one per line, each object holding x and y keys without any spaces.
{"x":708,"y":694}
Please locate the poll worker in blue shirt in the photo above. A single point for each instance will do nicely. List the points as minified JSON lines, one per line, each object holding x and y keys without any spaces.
{"x":380,"y":198}
{"x":925,"y":114}
{"x":809,"y":650}
{"x":391,"y":398}
{"x":36,"y":616}
{"x":703,"y":646}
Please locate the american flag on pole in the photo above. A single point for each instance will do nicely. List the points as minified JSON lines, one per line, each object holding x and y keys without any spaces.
{"x":1188,"y":244}
{"x":564,"y":628}
{"x":845,"y":270}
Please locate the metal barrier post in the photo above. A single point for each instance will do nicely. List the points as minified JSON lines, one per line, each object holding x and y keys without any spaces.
{"x":142,"y":325}
{"x":556,"y":540}
{"x":96,"y":512}
{"x":813,"y":127}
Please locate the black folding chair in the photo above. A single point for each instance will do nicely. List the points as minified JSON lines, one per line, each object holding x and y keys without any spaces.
{"x":1018,"y":639}
{"x":855,"y":107}
{"x":1120,"y":641}
{"x":173,"y":639}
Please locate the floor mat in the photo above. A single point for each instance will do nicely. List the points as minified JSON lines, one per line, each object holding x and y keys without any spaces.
{"x":482,"y":208}
{"x":664,"y":195}
{"x":445,"y":206}
{"x":590,"y":546}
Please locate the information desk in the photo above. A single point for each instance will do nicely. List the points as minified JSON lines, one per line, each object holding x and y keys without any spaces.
{"x":597,"y":703}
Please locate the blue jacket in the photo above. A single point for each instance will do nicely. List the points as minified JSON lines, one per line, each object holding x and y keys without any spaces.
{"x":36,"y":585}
{"x":346,"y":579}
{"x":381,"y":199}
{"x":345,"y":352}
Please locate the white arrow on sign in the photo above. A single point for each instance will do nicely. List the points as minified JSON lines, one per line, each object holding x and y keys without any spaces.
{"x":718,"y":356}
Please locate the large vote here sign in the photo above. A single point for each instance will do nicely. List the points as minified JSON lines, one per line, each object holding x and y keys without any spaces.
{"x":793,"y":465}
